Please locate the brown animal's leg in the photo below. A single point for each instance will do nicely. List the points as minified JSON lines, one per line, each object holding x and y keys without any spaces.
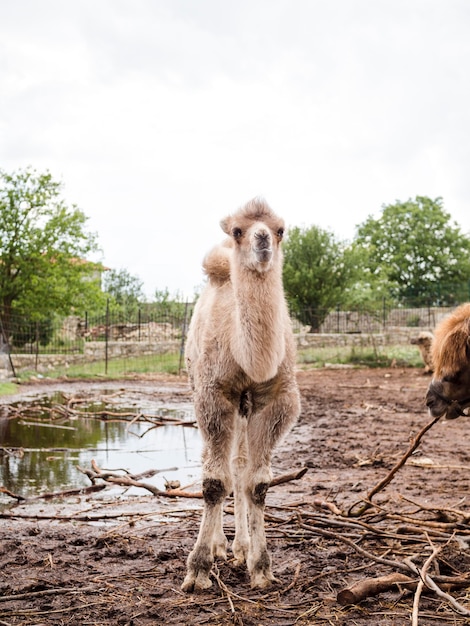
{"x":215,"y":418}
{"x":242,"y":540}
{"x":264,"y":431}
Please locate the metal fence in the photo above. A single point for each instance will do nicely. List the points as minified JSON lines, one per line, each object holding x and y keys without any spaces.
{"x":162,"y":331}
{"x":72,"y":334}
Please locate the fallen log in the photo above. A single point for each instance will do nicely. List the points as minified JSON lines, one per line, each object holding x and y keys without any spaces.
{"x":373,"y":586}
{"x":286,"y":478}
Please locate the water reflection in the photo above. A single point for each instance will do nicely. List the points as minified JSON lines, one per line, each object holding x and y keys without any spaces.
{"x":40,"y":454}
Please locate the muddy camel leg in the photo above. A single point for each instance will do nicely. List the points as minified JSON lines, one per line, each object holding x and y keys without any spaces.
{"x":264,"y":431}
{"x":216,"y":429}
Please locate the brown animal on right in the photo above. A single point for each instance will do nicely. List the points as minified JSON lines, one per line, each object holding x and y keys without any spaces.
{"x":449,"y":391}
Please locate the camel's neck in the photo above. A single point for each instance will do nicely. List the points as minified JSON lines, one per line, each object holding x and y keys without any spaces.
{"x":258,"y":339}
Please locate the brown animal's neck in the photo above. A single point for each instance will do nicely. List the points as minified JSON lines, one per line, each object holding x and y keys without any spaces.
{"x":258,"y":340}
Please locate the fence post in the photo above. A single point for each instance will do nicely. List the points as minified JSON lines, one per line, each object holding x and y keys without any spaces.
{"x":36,"y":360}
{"x":183,"y":337}
{"x":106,"y":337}
{"x":4,"y":342}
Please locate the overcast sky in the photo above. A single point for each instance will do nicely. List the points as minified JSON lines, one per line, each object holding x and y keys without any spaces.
{"x":160,"y":117}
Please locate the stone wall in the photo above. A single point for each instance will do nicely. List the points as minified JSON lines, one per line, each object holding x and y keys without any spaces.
{"x":395,"y":335}
{"x":95,"y":350}
{"x":74,"y":327}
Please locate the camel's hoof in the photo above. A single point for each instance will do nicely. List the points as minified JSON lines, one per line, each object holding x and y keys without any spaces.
{"x":240,"y":552}
{"x":219,"y":550}
{"x":196,"y":581}
{"x":262,"y":580}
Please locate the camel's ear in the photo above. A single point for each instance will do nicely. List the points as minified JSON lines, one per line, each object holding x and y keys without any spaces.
{"x":225,"y":225}
{"x":454,"y":353}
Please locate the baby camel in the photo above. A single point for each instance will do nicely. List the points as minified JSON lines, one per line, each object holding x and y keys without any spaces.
{"x":424,"y":343}
{"x":241,"y":359}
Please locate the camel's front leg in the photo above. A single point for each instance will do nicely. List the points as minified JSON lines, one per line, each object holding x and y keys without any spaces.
{"x":215,"y":418}
{"x":265,"y":429}
{"x":211,"y":541}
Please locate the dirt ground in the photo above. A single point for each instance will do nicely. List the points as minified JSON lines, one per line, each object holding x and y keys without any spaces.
{"x":107,"y":558}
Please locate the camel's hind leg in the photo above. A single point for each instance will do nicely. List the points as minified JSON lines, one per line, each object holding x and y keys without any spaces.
{"x":264,"y":431}
{"x":216,"y":425}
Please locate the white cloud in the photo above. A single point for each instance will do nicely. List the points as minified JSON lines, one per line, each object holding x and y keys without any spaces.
{"x":160,"y":117}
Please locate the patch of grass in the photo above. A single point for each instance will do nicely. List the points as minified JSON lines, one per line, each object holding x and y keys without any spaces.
{"x":7,"y":389}
{"x":117,"y":368}
{"x":360,"y":356}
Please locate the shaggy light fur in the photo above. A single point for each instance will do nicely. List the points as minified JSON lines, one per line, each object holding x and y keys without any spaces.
{"x":424,"y":343}
{"x":241,"y":360}
{"x":450,"y":353}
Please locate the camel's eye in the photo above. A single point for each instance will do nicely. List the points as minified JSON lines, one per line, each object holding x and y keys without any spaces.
{"x":453,"y":378}
{"x":236,"y":232}
{"x":280,"y":233}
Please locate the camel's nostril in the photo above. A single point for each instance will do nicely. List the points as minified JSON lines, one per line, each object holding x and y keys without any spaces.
{"x":263,"y":240}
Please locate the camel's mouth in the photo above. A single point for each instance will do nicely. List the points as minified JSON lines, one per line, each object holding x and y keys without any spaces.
{"x":264,"y":255}
{"x":439,"y":404}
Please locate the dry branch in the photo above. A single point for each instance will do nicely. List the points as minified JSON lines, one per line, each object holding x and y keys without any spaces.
{"x":324,"y":504}
{"x":55,"y":494}
{"x":432,"y":584}
{"x":419,"y":589}
{"x":15,"y":496}
{"x":129,"y":480}
{"x":367,"y":503}
{"x":373,"y":586}
{"x":286,"y":478}
{"x":48,"y":592}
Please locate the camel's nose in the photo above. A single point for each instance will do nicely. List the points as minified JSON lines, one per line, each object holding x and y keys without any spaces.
{"x":263,"y":239}
{"x":434,"y":402}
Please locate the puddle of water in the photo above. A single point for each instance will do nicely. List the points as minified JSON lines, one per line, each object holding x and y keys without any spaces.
{"x":52,"y":448}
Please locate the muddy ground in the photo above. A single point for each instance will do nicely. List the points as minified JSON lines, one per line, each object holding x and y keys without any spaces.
{"x":108,"y":558}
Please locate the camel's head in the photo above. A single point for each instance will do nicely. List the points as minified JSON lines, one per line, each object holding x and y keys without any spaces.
{"x":423,"y":339}
{"x":449,"y":390}
{"x":256,"y":233}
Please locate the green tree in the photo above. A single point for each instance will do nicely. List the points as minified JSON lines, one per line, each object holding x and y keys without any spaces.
{"x":419,"y":250}
{"x":368,"y":291}
{"x":125,"y":291}
{"x":167,"y":306}
{"x":318,"y":270}
{"x":43,"y":250}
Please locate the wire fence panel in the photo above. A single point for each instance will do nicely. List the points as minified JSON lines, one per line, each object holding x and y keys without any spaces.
{"x":152,"y":339}
{"x":142,"y":341}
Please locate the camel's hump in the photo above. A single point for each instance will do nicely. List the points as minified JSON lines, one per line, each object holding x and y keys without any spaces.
{"x":216,"y":263}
